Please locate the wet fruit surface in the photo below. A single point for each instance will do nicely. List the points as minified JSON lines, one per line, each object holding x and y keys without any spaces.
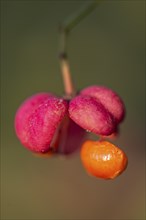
{"x":103,"y":159}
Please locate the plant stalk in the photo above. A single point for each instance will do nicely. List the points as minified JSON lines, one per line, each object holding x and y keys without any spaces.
{"x":65,"y":29}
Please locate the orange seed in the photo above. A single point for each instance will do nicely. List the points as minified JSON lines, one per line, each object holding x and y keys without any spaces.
{"x":103,"y":159}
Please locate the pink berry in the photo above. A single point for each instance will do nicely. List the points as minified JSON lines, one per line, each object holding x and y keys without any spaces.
{"x":37,"y":120}
{"x":45,"y":122}
{"x":111,"y":101}
{"x":91,"y":115}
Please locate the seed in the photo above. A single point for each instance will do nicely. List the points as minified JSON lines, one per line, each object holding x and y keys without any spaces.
{"x":103,"y":159}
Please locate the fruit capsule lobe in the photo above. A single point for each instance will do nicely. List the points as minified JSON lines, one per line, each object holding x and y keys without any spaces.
{"x":102,"y":159}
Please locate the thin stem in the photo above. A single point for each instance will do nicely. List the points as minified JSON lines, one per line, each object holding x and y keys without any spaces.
{"x":65,"y":29}
{"x":68,"y":83}
{"x":74,"y":19}
{"x":65,"y":68}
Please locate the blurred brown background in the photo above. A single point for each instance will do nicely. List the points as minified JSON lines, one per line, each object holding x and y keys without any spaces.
{"x":106,"y":48}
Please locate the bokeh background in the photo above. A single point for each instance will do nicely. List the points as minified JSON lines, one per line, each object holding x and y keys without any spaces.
{"x":106,"y":48}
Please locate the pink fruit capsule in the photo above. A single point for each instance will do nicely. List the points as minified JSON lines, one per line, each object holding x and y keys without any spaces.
{"x":91,"y":115}
{"x":37,"y":119}
{"x":69,"y":137}
{"x":111,"y":101}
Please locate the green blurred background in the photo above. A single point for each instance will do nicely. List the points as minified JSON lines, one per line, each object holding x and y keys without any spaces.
{"x":106,"y":48}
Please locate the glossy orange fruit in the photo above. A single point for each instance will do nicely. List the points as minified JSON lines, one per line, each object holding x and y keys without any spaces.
{"x":103,"y":159}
